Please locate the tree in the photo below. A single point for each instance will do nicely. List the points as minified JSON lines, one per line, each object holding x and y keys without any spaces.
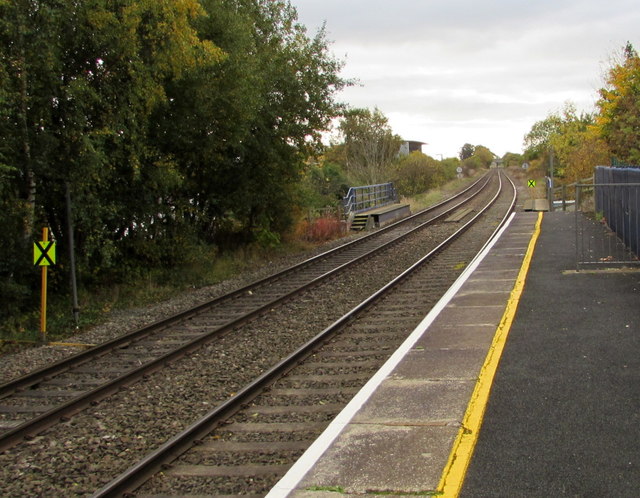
{"x":84,"y":81}
{"x":538,"y":139}
{"x":370,"y":145}
{"x":619,"y":118}
{"x":481,"y":157}
{"x":466,"y":151}
{"x":485,"y":156}
{"x":416,"y":173}
{"x":247,"y":142}
{"x":15,"y":269}
{"x":323,"y":185}
{"x":170,"y":120}
{"x":574,"y":140}
{"x":577,"y":145}
{"x":512,"y":159}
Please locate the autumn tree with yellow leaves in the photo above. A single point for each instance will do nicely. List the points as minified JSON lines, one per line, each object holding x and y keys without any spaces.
{"x":581,"y":141}
{"x":619,"y":118}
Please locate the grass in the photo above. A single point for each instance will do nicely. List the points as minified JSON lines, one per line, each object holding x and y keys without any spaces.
{"x":208,"y":268}
{"x":435,"y":196}
{"x":329,"y":489}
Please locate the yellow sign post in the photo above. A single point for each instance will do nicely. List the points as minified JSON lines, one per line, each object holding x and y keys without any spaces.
{"x":44,"y":255}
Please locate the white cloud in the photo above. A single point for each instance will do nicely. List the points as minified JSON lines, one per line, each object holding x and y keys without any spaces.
{"x":463,"y":71}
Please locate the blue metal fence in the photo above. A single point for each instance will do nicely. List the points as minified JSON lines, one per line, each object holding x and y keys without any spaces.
{"x":359,"y":199}
{"x":617,"y":199}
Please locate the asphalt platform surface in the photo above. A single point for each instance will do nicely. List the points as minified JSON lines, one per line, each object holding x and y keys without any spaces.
{"x":563,"y":417}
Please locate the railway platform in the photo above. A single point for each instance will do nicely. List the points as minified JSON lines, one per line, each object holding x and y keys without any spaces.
{"x":522,"y":381}
{"x":380,"y":216}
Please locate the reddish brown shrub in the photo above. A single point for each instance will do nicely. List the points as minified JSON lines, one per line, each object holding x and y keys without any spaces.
{"x":323,"y":229}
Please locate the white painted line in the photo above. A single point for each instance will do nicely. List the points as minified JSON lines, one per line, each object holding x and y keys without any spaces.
{"x":309,"y":458}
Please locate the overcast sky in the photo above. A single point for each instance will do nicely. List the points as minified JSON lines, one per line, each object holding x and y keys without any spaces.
{"x":450,"y":72}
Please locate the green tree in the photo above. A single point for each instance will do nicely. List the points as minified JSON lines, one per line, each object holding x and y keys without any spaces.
{"x":15,"y":268}
{"x":512,"y":159}
{"x":481,"y":157}
{"x":449,"y":168}
{"x":168,"y":119}
{"x":466,"y":151}
{"x":370,"y":145}
{"x":82,"y":80}
{"x":574,"y":140}
{"x":485,"y":156}
{"x":245,"y":129}
{"x":324,"y":184}
{"x":577,"y":145}
{"x":538,"y":140}
{"x":416,"y":173}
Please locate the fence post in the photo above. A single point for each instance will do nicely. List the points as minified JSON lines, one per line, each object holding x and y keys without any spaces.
{"x":577,"y":214}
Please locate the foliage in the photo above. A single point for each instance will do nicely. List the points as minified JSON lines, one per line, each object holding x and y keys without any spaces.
{"x":321,"y":229}
{"x":538,"y":140}
{"x":582,"y":141}
{"x":416,"y":173}
{"x":579,"y":148}
{"x":619,"y":118}
{"x":324,"y":184}
{"x":370,"y":145}
{"x":466,"y":151}
{"x":449,"y":166}
{"x":15,"y":269}
{"x":485,"y":156}
{"x":174,"y":123}
{"x":574,"y":140}
{"x":512,"y":159}
{"x":481,"y":157}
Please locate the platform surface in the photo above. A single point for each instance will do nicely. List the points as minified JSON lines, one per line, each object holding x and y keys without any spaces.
{"x":385,"y":209}
{"x":564,"y":414}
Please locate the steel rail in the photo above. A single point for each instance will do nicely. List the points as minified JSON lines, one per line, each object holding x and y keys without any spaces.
{"x":32,"y":427}
{"x":75,"y":360}
{"x":138,"y":474}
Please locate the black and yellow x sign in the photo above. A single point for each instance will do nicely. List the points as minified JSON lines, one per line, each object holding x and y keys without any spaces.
{"x":44,"y":253}
{"x":532,"y":183}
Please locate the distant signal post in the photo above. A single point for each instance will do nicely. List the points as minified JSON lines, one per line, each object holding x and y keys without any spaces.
{"x":44,"y":255}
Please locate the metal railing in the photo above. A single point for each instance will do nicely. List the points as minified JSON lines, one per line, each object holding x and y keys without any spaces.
{"x":607,"y":225}
{"x":360,"y":199}
{"x":563,"y":198}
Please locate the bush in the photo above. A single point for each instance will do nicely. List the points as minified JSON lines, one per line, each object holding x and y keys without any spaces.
{"x":417,"y":173}
{"x":321,"y":229}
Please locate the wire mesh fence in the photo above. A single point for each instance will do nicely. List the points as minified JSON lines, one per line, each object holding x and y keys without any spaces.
{"x":607,"y":225}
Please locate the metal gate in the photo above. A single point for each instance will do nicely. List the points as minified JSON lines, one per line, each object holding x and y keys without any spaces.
{"x":607,"y":225}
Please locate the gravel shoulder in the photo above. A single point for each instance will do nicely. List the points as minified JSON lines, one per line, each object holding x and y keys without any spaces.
{"x":119,"y":322}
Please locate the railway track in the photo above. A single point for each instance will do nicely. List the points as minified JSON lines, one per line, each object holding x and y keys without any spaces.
{"x":34,"y":402}
{"x":248,"y":442}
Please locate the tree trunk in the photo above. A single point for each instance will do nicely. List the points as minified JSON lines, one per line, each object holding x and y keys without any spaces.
{"x":26,"y":146}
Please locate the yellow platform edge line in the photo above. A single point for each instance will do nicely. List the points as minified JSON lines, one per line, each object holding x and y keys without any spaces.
{"x":456,"y":468}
